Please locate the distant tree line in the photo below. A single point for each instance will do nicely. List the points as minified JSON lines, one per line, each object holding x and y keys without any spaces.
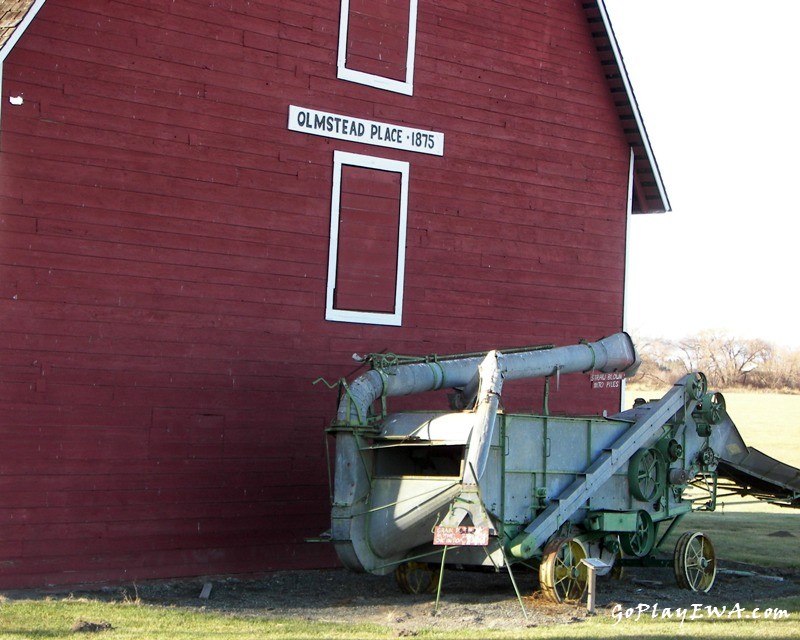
{"x":727,"y":361}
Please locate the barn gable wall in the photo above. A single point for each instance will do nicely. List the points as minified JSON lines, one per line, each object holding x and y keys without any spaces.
{"x":164,"y":244}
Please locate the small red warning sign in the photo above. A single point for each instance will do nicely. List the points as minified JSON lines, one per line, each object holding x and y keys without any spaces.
{"x":461,"y":536}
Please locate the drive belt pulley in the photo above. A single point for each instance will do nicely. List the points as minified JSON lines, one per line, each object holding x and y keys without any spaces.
{"x":647,"y":471}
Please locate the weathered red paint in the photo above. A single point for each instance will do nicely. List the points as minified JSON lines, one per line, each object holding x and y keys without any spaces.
{"x":163,"y":261}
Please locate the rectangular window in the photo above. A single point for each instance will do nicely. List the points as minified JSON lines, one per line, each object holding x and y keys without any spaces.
{"x":377,"y":39}
{"x":366,"y":262}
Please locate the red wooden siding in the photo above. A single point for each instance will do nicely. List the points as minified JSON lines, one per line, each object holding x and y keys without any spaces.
{"x":163,"y":261}
{"x":377,"y":37}
{"x":369,"y":221}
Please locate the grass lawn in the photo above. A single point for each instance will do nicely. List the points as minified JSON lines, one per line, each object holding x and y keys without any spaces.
{"x":57,"y":618}
{"x":48,"y":619}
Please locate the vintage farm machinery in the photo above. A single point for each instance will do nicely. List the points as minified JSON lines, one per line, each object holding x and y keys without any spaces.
{"x":476,"y":487}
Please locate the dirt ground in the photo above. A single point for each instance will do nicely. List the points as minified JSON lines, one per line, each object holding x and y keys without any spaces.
{"x":468,"y":599}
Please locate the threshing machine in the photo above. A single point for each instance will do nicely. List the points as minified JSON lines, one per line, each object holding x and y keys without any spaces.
{"x":477,"y":487}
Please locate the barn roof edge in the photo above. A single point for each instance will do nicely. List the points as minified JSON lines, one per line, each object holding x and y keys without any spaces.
{"x":650,"y":194}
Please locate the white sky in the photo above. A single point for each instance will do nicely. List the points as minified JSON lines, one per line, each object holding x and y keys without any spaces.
{"x":719,"y":89}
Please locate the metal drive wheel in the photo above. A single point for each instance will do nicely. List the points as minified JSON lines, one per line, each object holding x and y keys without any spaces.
{"x":712,"y":407}
{"x":697,"y":386}
{"x":416,"y":577}
{"x":640,"y":542}
{"x":695,"y":562}
{"x":562,"y":575}
{"x":646,"y":474}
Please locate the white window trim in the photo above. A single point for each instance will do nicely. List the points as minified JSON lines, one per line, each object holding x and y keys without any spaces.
{"x":381,"y":164}
{"x":379,"y":82}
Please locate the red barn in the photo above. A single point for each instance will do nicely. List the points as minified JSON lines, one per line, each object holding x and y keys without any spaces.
{"x":207,"y":205}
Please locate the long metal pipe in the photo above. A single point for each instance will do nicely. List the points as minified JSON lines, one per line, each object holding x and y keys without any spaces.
{"x":614,"y":353}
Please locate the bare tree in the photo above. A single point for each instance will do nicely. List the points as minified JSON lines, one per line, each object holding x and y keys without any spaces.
{"x":781,"y":372}
{"x":660,"y":366}
{"x":726,"y":360}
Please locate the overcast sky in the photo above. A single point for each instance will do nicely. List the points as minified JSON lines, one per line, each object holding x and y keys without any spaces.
{"x":717,"y":84}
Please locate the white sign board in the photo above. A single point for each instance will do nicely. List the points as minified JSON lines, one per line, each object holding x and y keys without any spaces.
{"x":606,"y":380}
{"x":382,"y":134}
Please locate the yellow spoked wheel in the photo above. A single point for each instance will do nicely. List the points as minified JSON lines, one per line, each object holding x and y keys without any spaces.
{"x":695,"y":562}
{"x":417,"y":577}
{"x":562,"y":575}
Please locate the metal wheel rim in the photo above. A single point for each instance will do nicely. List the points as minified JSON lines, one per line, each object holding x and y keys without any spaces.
{"x":562,"y":575}
{"x":695,"y":562}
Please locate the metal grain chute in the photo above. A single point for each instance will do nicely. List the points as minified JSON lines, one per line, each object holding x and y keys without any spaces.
{"x":615,"y":353}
